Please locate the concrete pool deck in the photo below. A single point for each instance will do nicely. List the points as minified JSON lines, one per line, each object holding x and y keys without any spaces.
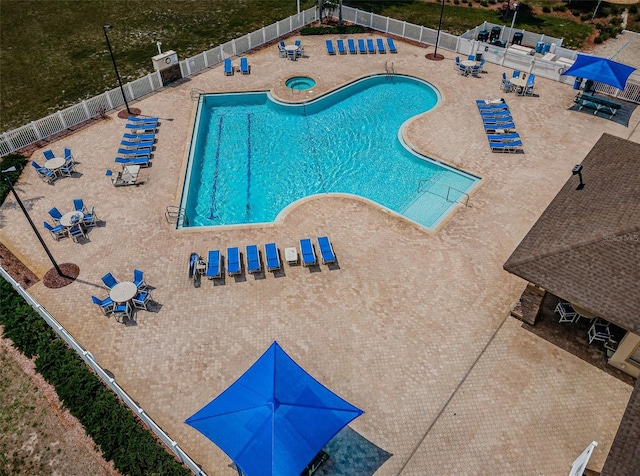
{"x":413,"y":328}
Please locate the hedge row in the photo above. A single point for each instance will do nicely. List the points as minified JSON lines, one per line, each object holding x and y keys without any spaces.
{"x":113,"y":427}
{"x":332,"y":30}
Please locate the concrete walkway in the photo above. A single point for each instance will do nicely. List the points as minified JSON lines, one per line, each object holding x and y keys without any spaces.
{"x":413,"y":328}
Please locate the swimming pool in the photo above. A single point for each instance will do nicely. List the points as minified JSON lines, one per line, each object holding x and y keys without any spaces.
{"x":251,"y":155}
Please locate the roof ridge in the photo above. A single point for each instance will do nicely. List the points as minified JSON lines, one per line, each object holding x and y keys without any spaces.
{"x":575,"y":246}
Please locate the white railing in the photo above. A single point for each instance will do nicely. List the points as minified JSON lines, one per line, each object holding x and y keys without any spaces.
{"x":104,"y":376}
{"x":464,"y":44}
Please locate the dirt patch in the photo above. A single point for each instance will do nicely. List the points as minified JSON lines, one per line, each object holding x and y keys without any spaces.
{"x":38,"y":436}
{"x":16,"y":268}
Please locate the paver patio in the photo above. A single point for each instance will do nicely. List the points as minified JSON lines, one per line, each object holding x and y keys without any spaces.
{"x":413,"y":328}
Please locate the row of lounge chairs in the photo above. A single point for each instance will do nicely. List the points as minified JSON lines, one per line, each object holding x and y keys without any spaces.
{"x":229,"y":68}
{"x":138,"y":141}
{"x":213,"y":268}
{"x":363,"y":48}
{"x":499,"y":126}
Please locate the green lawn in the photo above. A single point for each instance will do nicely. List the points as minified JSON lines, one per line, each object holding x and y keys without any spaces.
{"x":54,"y":54}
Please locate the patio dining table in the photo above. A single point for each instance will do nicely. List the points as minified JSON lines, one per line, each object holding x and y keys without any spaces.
{"x":519,"y":83}
{"x":468,"y":64}
{"x":71,"y":218}
{"x":54,"y":164}
{"x":292,"y":52}
{"x":123,"y":293}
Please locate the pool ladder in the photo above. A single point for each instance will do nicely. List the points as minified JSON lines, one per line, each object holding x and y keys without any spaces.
{"x":389,"y":68}
{"x":176,"y":216}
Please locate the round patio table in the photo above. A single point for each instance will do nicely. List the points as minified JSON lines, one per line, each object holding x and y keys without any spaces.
{"x":123,"y":292}
{"x":292,"y":49}
{"x":71,"y":218}
{"x":55,"y":163}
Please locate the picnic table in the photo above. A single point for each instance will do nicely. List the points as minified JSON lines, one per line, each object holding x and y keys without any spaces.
{"x":597,"y":103}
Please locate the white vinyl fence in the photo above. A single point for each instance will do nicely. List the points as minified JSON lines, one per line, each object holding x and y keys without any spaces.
{"x":105,"y":377}
{"x":465,"y":44}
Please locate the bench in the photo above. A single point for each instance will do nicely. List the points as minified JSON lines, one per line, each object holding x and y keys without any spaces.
{"x":597,"y":103}
{"x":521,"y":49}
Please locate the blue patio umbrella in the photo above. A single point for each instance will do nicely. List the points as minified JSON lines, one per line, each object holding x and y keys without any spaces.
{"x":600,"y":69}
{"x":275,"y":418}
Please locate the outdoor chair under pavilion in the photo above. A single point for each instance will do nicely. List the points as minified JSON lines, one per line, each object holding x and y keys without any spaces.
{"x":566,"y":311}
{"x":599,"y":331}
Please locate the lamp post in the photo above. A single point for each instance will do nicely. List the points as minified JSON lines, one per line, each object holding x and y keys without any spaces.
{"x":105,"y":28}
{"x":435,"y":56}
{"x":26,"y":214}
{"x":515,"y":12}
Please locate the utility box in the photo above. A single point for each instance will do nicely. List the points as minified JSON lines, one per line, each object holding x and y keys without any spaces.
{"x":164,"y":60}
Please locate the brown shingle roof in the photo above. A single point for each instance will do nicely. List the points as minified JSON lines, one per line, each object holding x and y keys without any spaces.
{"x":585,"y":247}
{"x":624,"y":456}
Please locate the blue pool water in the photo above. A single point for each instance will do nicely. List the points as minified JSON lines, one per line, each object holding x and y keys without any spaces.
{"x":252,"y":156}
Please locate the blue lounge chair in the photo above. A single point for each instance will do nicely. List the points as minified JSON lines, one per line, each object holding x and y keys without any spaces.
{"x":234,"y":266}
{"x":361,"y":48}
{"x":106,"y":305}
{"x":135,"y":152}
{"x":528,"y":89}
{"x":497,"y":120}
{"x":57,"y":231}
{"x":109,"y":281}
{"x":499,"y":127}
{"x":391,"y":45}
{"x":244,"y":66}
{"x":490,"y":102}
{"x":48,"y":154}
{"x":326,"y":250}
{"x":495,"y":114}
{"x":55,"y":214}
{"x":380,"y":44}
{"x":253,"y":259}
{"x":139,"y":137}
{"x":214,"y":265}
{"x":143,"y":120}
{"x":193,"y":259}
{"x":141,"y":127}
{"x":228,"y":67}
{"x":273,"y":258}
{"x":505,"y":146}
{"x":371,"y":49}
{"x":330,"y":49}
{"x":308,"y":253}
{"x":341,"y":48}
{"x":141,"y":161}
{"x":510,"y":137}
{"x":136,"y":145}
{"x":352,"y":46}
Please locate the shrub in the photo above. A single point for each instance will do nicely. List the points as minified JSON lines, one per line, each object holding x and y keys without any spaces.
{"x":560,"y":8}
{"x":456,"y":2}
{"x":576,"y":13}
{"x":484,"y":3}
{"x":332,"y":30}
{"x":546,"y":10}
{"x":492,"y":2}
{"x":633,"y":9}
{"x":112,"y":426}
{"x":12,"y":160}
{"x":598,"y":39}
{"x":585,"y":17}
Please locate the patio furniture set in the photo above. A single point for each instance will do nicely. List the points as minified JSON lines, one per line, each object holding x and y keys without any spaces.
{"x":364,"y":46}
{"x":599,"y":330}
{"x":212,"y":268}
{"x":55,"y":166}
{"x":499,"y":126}
{"x":519,"y":83}
{"x":74,"y":223}
{"x":469,"y":67}
{"x":124,"y":297}
{"x":291,"y":52}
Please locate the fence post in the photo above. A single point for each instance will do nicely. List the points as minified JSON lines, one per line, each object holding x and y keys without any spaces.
{"x":130,"y":91}
{"x":404,"y":28}
{"x":151,"y":81}
{"x":5,"y":136}
{"x":264,"y":36}
{"x":61,"y":117}
{"x":86,"y":109}
{"x":386,"y":28}
{"x":36,"y":131}
{"x":233,"y":47}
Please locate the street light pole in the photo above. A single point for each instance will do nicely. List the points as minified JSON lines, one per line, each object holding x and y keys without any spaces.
{"x":26,"y":214}
{"x":515,"y":12}
{"x":435,"y":55}
{"x":105,"y":28}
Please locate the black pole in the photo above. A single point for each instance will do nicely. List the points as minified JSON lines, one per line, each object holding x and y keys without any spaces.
{"x":35,"y":230}
{"x":435,"y":51}
{"x":105,"y":28}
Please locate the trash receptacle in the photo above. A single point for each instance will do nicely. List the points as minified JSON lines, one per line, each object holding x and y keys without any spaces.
{"x":546,"y":48}
{"x":539,"y":46}
{"x":478,"y":56}
{"x":495,"y":33}
{"x":517,"y":38}
{"x":483,"y":35}
{"x":577,"y":83}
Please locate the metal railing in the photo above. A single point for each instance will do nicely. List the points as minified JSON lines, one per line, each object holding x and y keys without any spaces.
{"x":449,"y":188}
{"x":465,"y":44}
{"x":104,"y":376}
